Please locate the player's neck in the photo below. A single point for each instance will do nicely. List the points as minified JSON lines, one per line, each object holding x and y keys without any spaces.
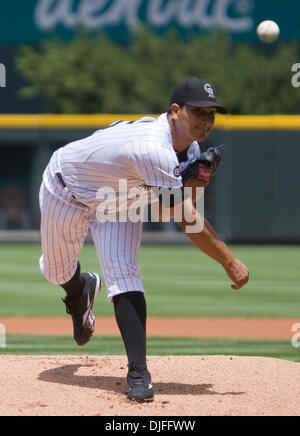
{"x":180,"y":140}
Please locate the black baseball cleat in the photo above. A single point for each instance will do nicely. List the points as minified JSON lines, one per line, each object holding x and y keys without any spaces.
{"x":81,"y":309}
{"x":139,"y":381}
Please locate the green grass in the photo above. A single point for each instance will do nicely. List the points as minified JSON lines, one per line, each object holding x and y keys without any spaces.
{"x":179,"y":280}
{"x":109,"y":345}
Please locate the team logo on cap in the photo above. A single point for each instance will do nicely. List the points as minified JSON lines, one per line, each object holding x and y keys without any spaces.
{"x":209,"y":90}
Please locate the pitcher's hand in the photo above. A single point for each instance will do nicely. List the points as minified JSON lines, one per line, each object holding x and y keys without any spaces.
{"x":238,"y":273}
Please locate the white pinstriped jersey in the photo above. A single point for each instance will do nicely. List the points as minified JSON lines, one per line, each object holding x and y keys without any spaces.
{"x":141,"y":152}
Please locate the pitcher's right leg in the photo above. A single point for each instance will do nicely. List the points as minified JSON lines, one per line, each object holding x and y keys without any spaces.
{"x":64,"y":226}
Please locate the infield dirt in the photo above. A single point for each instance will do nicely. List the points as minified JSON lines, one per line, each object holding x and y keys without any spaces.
{"x":184,"y":385}
{"x":259,"y":328}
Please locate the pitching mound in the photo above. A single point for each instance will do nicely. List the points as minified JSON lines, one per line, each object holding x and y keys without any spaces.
{"x":184,"y":386}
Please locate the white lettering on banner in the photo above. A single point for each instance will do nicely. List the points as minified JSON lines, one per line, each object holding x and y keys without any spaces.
{"x":96,"y":14}
{"x":231,"y":24}
{"x":123,"y":11}
{"x":93,"y":14}
{"x":49,"y":13}
{"x":185,"y":12}
{"x":157,"y":16}
{"x":197,"y":16}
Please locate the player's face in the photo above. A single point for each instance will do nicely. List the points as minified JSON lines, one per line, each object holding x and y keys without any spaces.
{"x":196,"y":123}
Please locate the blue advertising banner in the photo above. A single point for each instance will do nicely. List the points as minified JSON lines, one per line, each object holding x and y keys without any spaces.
{"x":30,"y":21}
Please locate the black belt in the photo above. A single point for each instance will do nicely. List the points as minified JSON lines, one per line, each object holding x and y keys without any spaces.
{"x":60,"y":177}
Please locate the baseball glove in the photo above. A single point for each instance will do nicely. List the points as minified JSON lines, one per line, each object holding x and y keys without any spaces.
{"x":204,"y":167}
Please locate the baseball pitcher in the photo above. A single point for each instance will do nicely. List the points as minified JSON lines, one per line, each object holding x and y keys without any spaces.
{"x":151,"y":153}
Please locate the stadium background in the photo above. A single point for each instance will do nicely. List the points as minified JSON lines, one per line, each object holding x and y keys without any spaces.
{"x":253,"y":202}
{"x":252,"y":199}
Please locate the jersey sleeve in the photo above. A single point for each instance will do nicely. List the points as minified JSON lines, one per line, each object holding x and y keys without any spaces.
{"x":157,"y":165}
{"x":193,"y":153}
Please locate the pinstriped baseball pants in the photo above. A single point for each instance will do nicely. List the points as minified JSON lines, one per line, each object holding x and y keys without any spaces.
{"x":65,"y":224}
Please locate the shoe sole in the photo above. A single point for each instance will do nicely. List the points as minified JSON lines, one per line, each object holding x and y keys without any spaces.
{"x":143,"y":400}
{"x":88,"y":330}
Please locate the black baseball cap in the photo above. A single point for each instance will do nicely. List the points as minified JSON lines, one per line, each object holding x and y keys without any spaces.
{"x":196,"y":92}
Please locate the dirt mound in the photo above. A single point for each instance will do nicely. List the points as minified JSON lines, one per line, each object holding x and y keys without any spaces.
{"x":184,"y":386}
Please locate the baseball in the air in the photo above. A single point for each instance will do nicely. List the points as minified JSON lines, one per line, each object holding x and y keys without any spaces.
{"x":268,"y":31}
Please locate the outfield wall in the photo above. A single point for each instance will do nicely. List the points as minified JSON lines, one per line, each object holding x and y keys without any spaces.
{"x":253,"y":198}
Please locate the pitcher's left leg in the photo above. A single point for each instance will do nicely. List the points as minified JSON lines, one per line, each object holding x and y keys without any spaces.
{"x":117,"y":246}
